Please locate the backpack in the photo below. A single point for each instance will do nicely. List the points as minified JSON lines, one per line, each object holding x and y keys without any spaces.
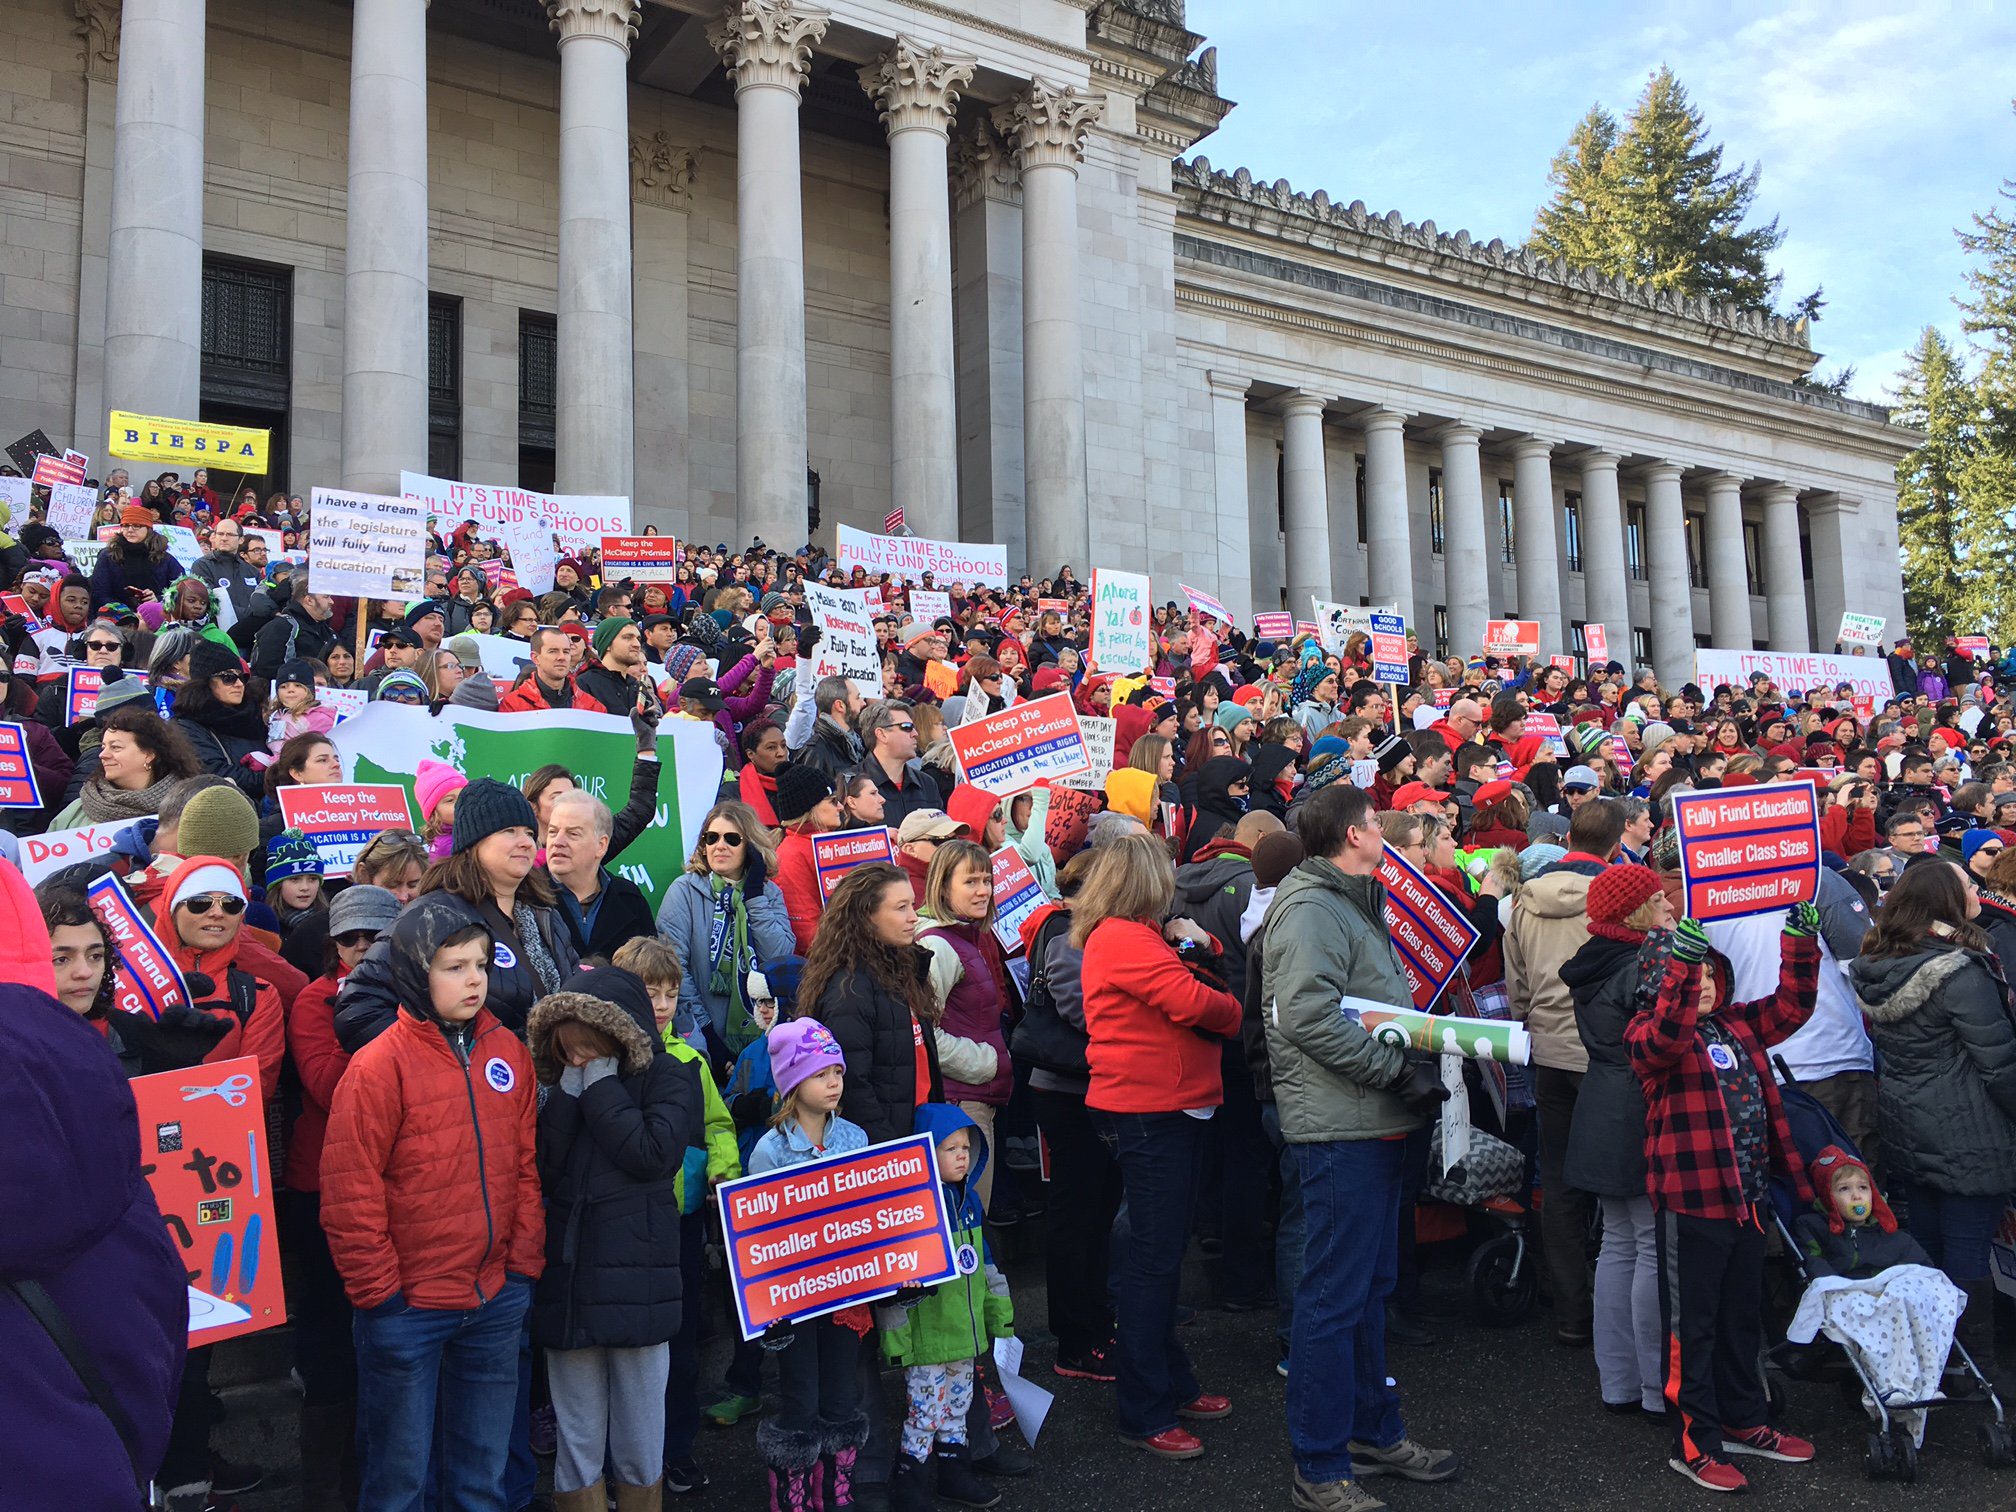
{"x":1042,"y":1038}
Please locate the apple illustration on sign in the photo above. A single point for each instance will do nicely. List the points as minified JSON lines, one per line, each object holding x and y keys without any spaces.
{"x":1134,"y":615}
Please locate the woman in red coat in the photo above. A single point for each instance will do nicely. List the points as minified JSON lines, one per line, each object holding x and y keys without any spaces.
{"x":198,"y":916}
{"x":1155,"y":1016}
{"x":805,"y":807}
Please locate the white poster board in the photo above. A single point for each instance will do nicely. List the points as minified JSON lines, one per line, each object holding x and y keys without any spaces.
{"x":908,"y":558}
{"x":846,"y":637}
{"x":1123,"y":622}
{"x":580,"y":520}
{"x":366,"y":546}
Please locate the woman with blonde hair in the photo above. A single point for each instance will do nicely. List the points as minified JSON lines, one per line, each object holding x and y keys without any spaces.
{"x":969,"y":982}
{"x":725,"y":917}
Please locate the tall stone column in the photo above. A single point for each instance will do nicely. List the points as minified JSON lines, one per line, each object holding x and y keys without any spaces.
{"x":1306,"y":505}
{"x":385,"y":248}
{"x":1234,"y":532}
{"x":1389,"y":554}
{"x":1048,"y":127}
{"x":1672,"y":593}
{"x":916,"y":88}
{"x":594,"y":421}
{"x":767,"y":47}
{"x":154,"y":273}
{"x":1466,"y":563}
{"x":1606,"y":590}
{"x":1837,"y":578}
{"x":1728,"y":571}
{"x":987,"y":232}
{"x":1536,"y":550}
{"x":1784,"y":573}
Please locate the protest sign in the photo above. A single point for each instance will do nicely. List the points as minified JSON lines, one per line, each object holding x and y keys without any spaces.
{"x":344,"y":818}
{"x":1861,"y":630}
{"x":13,"y":603}
{"x":1973,"y":646}
{"x":1337,"y":623}
{"x":151,"y":438}
{"x":145,"y":978}
{"x":1017,"y":895}
{"x":1011,"y":751}
{"x":1794,"y":671}
{"x":1123,"y":626}
{"x":811,"y":1239}
{"x":1565,"y":663}
{"x":71,"y":506}
{"x":1748,"y":850}
{"x":530,"y":542}
{"x":18,"y":788}
{"x":872,"y":597}
{"x":1620,"y":753}
{"x":366,"y":546}
{"x":1307,"y":627}
{"x":83,"y":553}
{"x":16,"y":493}
{"x":1389,"y":648}
{"x":1203,"y":603}
{"x":45,"y":854}
{"x":1596,"y":641}
{"x":182,"y":542}
{"x":386,"y":742}
{"x":502,"y":657}
{"x":24,"y":452}
{"x":344,"y":702}
{"x":839,"y":852}
{"x":1274,"y":625}
{"x":908,"y":558}
{"x":1445,"y":696}
{"x":1511,"y":637}
{"x":80,"y":695}
{"x":580,"y":520}
{"x":930,"y":605}
{"x":1056,"y":606}
{"x":1431,"y":935}
{"x":1099,"y":732}
{"x":642,"y":559}
{"x":1548,"y":727}
{"x":846,"y":637}
{"x":203,"y":1152}
{"x":68,"y":468}
{"x":1498,"y":1040}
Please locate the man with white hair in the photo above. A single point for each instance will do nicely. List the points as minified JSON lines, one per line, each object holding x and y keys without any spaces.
{"x":602,"y":910}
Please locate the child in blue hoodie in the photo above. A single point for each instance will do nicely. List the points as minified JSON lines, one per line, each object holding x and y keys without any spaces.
{"x":940,"y":1338}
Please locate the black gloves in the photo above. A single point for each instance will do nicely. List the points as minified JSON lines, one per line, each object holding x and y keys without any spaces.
{"x":1420,"y":1087}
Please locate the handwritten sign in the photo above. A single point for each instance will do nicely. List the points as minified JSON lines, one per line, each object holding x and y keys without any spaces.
{"x":1013,"y":750}
{"x":203,"y":1152}
{"x":1123,"y":624}
{"x":908,"y":558}
{"x":841,"y":851}
{"x":342,"y":820}
{"x":529,"y":539}
{"x":930,"y":605}
{"x":1099,"y":732}
{"x":814,"y":1238}
{"x":145,"y":978}
{"x":846,"y":645}
{"x":1748,"y":850}
{"x":1429,"y":931}
{"x":1017,"y":894}
{"x":1203,"y":603}
{"x":1512,"y":637}
{"x":18,"y":788}
{"x":366,"y":546}
{"x":71,"y":506}
{"x":1861,"y":630}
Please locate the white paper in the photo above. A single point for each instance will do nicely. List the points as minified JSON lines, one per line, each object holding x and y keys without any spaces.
{"x":1030,"y":1401}
{"x":1123,"y":622}
{"x":580,"y":520}
{"x":1099,"y":735}
{"x":530,"y":542}
{"x":846,"y":637}
{"x":70,"y":509}
{"x":367,"y":546}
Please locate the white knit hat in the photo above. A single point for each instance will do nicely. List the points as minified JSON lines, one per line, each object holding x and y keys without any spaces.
{"x":215,"y":877}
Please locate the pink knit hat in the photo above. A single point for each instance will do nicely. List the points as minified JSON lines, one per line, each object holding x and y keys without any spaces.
{"x":801,"y":1048}
{"x":434,"y":781}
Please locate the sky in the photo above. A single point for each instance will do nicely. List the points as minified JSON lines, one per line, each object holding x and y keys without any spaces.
{"x":1880,"y":128}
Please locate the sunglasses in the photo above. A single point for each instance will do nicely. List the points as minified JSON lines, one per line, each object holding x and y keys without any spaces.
{"x":230,"y":906}
{"x":721,"y":837}
{"x":907,"y":728}
{"x":104,"y":646}
{"x":351,"y":939}
{"x":227,"y":677}
{"x":402,"y":696}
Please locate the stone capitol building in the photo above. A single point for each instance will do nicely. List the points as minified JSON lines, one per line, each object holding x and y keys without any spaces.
{"x":766,"y":266}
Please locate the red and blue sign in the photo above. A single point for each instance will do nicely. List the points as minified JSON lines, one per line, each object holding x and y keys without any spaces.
{"x":80,"y":697}
{"x":145,"y":978}
{"x":1389,"y":648}
{"x":1748,"y":850}
{"x":811,"y":1239}
{"x":344,"y":818}
{"x":18,"y":788}
{"x":836,"y":854}
{"x":1431,"y":933}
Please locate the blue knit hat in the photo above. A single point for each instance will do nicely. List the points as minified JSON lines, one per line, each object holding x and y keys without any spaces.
{"x":291,"y":854}
{"x":1974,"y":839}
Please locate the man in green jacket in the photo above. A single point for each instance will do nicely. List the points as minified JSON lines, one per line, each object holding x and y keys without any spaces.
{"x":1346,"y":1103}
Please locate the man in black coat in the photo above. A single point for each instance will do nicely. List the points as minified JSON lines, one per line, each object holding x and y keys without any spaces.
{"x":300,"y":628}
{"x":602,"y":910}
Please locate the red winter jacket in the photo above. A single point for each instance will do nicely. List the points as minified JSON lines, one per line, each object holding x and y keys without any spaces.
{"x":759,"y":792}
{"x":258,"y":949}
{"x":320,"y":1062}
{"x":529,"y":698}
{"x":1150,"y":1018}
{"x":430,"y":1185}
{"x":798,"y":880}
{"x":1847,"y":831}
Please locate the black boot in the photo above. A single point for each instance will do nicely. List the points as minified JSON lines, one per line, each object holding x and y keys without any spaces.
{"x":909,"y":1485}
{"x":328,"y":1450}
{"x":958,"y":1483}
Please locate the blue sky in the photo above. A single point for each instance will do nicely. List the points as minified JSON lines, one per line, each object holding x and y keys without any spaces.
{"x":1879,"y":128}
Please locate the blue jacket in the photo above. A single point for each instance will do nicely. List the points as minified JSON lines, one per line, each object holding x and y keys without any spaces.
{"x":957,"y":1319}
{"x":686,"y":920}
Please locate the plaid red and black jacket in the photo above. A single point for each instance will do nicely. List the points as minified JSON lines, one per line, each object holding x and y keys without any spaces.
{"x":1690,"y":1154}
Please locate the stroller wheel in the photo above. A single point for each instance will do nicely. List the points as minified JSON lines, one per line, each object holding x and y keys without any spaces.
{"x":1503,"y":1280}
{"x":1904,"y":1456}
{"x":1998,"y":1444}
{"x":1876,"y":1462}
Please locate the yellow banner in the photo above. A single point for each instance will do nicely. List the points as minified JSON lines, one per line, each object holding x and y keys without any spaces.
{"x":150,"y":438}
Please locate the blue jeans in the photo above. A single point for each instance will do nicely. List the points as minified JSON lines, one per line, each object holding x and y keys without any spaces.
{"x":1288,"y":1228}
{"x":1953,"y":1230}
{"x":1161,"y":1156}
{"x":1337,"y":1389}
{"x":466,"y":1363}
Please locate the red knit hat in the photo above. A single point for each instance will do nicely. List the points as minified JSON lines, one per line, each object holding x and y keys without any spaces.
{"x":1616,"y":893}
{"x":22,"y":933}
{"x":1826,"y":1167}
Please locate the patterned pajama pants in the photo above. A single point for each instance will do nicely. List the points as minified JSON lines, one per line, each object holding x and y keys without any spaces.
{"x":940,"y":1396}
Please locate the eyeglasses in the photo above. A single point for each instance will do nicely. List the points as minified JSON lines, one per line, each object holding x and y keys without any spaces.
{"x":1907,"y":834}
{"x":104,"y":646}
{"x":351,"y":939}
{"x":231,"y":907}
{"x":906,"y":728}
{"x":721,"y":837}
{"x":227,"y":677}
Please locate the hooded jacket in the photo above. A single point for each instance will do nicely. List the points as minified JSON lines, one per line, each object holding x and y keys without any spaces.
{"x":1212,"y":891}
{"x":430,"y":1184}
{"x":1218,"y":812}
{"x":1550,"y":922}
{"x":957,"y":1319}
{"x":611,"y":1146}
{"x":1606,"y":1140}
{"x":1946,"y":1038}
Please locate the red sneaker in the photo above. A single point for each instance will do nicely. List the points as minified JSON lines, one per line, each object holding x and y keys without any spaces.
{"x":1711,"y":1473}
{"x":1207,"y":1406}
{"x":1768,"y":1443}
{"x":1172,"y":1443}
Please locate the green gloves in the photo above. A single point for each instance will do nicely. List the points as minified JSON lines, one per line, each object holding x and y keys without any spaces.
{"x":1803,"y":921}
{"x":1690,"y":942}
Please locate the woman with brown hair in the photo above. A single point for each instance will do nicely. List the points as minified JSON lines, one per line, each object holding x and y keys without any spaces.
{"x":542,"y":788}
{"x":868,"y":981}
{"x":140,"y":757}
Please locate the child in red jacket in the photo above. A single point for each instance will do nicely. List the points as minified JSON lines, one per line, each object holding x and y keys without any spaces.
{"x":430,"y":1199}
{"x":1715,"y":1134}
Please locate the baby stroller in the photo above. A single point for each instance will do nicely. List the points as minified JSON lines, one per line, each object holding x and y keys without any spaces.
{"x":1892,"y":1451}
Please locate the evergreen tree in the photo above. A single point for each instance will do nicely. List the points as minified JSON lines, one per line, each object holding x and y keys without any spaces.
{"x":1936,"y":396}
{"x":1988,"y":477}
{"x":1651,"y":201}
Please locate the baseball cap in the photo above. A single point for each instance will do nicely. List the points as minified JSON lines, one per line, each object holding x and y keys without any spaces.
{"x":1411,"y":793}
{"x":1580,"y":777}
{"x":928,"y":824}
{"x":703,"y":691}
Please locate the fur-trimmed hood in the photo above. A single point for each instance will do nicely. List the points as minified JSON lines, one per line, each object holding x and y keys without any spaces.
{"x":636,"y":1043}
{"x":1894,"y":988}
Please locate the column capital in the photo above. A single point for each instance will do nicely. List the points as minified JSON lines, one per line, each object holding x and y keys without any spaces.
{"x":1228,"y":385}
{"x":916,"y":87}
{"x":661,"y":171}
{"x":98,"y":24}
{"x":1382,"y":417}
{"x":1529,"y":446}
{"x":1775,"y":492}
{"x":610,"y":20}
{"x":1048,"y":124}
{"x":768,"y":42}
{"x":1598,"y":460}
{"x":1458,"y":433}
{"x":1717,"y":482}
{"x":1303,"y":402}
{"x":1662,"y":472}
{"x":983,"y":165}
{"x":1830,"y":504}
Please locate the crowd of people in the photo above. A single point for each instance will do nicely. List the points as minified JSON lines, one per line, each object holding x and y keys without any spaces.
{"x":503,"y":1081}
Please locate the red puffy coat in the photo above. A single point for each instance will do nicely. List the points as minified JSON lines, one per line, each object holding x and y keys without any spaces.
{"x":430,"y":1184}
{"x":529,"y":698}
{"x":798,"y":880}
{"x":1150,"y":1020}
{"x":320,"y":1062}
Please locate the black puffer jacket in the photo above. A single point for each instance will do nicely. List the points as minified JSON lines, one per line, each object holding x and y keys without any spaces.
{"x":1946,"y":1048}
{"x":874,"y":1029}
{"x":609,"y":1156}
{"x":1606,"y":1141}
